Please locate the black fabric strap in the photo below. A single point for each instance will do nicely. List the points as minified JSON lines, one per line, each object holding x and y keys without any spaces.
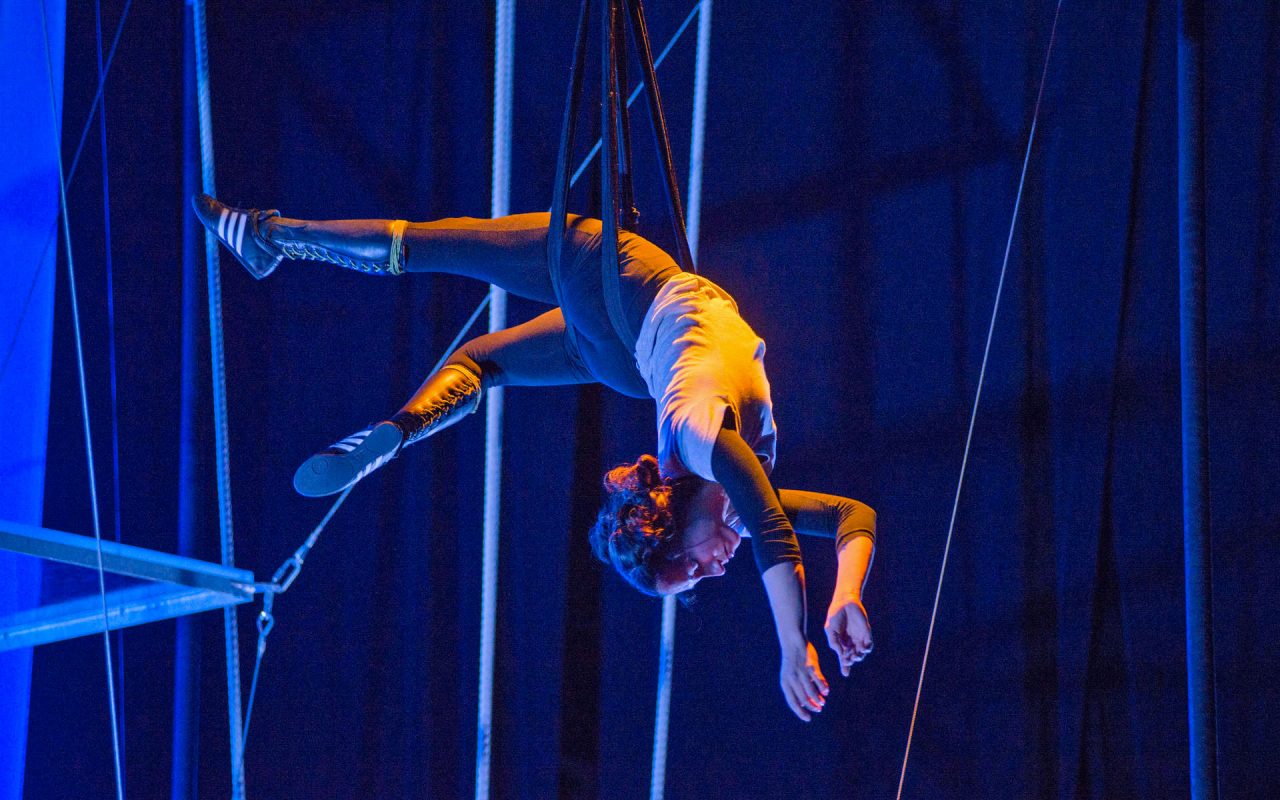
{"x":560,"y":193}
{"x":628,"y":214}
{"x":640,"y":30}
{"x":609,"y":170}
{"x":616,"y":191}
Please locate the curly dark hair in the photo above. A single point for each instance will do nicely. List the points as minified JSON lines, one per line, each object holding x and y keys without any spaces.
{"x":639,"y":525}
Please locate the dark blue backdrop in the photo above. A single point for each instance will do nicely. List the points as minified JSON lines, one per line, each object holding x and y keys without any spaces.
{"x":861,"y":164}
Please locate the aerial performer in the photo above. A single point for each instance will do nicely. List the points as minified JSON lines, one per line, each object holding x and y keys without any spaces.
{"x":667,"y":521}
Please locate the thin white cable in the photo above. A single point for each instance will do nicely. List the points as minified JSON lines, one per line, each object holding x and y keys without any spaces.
{"x":697,"y":141}
{"x":84,"y":408}
{"x":986,"y":352}
{"x":504,"y":60}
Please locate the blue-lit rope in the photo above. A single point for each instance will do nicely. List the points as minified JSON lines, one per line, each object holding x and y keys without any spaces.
{"x":111,"y":357}
{"x":697,"y":142}
{"x":84,"y":408}
{"x":698,"y":135}
{"x":662,"y":713}
{"x":500,"y":194}
{"x":973,"y":415}
{"x":221,"y":437}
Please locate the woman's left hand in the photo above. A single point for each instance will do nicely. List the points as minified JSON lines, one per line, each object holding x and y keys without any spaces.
{"x":848,"y":631}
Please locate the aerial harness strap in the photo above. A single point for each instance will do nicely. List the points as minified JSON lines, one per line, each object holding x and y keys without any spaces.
{"x":617,"y":195}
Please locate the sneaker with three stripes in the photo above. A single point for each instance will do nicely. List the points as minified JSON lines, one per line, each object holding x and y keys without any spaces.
{"x":238,"y":229}
{"x":340,"y":465}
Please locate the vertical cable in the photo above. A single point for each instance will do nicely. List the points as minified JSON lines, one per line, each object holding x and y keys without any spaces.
{"x":1196,"y":531}
{"x":667,"y":646}
{"x":187,"y":645}
{"x":702,"y":65}
{"x":111,"y":359}
{"x":662,"y":714}
{"x":977,"y":397}
{"x":223,"y":453}
{"x":84,"y":408}
{"x":503,"y":62}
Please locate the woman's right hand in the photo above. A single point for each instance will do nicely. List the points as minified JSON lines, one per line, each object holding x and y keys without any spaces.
{"x":803,"y":686}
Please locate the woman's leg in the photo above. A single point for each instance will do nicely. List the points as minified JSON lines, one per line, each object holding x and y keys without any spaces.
{"x":510,"y":252}
{"x":541,"y":352}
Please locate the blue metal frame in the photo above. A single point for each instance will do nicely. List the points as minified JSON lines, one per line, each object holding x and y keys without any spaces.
{"x":176,"y":586}
{"x":82,"y":616}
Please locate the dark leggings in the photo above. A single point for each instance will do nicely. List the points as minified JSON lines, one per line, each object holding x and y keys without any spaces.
{"x":574,"y":343}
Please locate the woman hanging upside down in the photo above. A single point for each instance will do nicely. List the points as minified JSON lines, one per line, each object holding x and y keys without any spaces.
{"x":668,"y":522}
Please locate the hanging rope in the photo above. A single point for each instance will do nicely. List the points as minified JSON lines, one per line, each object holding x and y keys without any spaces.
{"x":667,"y":639}
{"x":111,"y":358}
{"x":226,"y":534}
{"x":973,"y":415}
{"x":84,"y":410}
{"x":698,"y":131}
{"x":500,"y":195}
{"x":662,"y":710}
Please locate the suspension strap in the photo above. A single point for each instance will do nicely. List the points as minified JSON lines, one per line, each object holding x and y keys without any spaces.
{"x":617,"y":194}
{"x":661,"y":141}
{"x":560,"y":192}
{"x":628,"y":214}
{"x":610,"y":167}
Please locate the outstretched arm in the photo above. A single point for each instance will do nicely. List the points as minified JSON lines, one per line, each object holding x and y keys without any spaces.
{"x":737,"y":469}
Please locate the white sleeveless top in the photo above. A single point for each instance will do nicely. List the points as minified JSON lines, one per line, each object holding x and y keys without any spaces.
{"x":699,"y":358}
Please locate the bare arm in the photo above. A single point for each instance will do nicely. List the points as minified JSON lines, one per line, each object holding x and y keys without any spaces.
{"x":853,"y":561}
{"x":848,"y":627}
{"x":803,"y":686}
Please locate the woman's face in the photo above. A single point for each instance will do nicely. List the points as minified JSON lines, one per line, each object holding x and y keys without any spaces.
{"x":706,"y":547}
